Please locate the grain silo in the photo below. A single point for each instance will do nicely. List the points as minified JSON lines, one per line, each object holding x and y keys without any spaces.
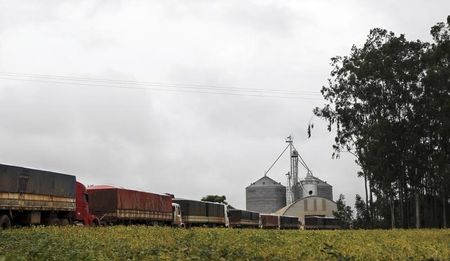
{"x":265,"y":195}
{"x":309,"y":185}
{"x":313,"y":186}
{"x":324,"y":189}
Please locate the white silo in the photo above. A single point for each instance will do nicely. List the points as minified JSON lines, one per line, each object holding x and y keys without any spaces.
{"x":309,"y":185}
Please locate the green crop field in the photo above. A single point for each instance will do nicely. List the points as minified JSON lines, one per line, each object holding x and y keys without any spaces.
{"x":164,"y":243}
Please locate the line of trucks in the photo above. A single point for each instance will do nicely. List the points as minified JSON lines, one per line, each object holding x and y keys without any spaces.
{"x":30,"y":196}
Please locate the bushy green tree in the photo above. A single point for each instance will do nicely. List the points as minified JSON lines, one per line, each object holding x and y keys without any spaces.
{"x":344,"y":213}
{"x":389,"y":104}
{"x":215,"y":198}
{"x":362,"y":219}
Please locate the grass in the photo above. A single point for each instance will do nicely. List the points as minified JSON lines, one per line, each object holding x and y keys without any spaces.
{"x":165,"y":243}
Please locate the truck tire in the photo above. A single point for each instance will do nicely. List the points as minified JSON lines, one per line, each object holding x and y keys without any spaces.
{"x":65,"y":222}
{"x":95,"y":223}
{"x":5,"y":222}
{"x":54,"y":221}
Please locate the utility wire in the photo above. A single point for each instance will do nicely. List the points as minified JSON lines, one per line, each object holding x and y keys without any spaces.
{"x":190,"y":88}
{"x":187,"y":85}
{"x":164,"y":89}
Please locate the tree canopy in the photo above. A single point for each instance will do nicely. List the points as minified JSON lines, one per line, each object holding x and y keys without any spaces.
{"x":343,"y":213}
{"x":215,"y":198}
{"x":388,"y":103}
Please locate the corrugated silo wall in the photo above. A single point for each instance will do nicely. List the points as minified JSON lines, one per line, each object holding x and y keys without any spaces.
{"x":297,"y":191}
{"x":300,"y":191}
{"x":325,"y":190}
{"x":265,"y":199}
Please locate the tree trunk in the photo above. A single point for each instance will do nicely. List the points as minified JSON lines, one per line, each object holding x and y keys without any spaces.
{"x":417,"y":208}
{"x":402,"y":216}
{"x":372,"y":212}
{"x":416,"y":195}
{"x":367,"y":196}
{"x":392,"y":213}
{"x":435,"y":211}
{"x":444,"y":210}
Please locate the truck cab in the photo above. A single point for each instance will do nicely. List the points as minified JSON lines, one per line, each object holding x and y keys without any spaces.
{"x":82,"y":213}
{"x":176,"y":213}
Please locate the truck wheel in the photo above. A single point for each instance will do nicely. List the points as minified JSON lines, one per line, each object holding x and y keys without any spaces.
{"x":5,"y":222}
{"x":65,"y":222}
{"x":95,"y":223}
{"x":54,"y":221}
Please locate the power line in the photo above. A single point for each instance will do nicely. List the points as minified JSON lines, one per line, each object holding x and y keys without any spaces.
{"x":188,"y":85}
{"x":162,"y":89}
{"x":188,"y":88}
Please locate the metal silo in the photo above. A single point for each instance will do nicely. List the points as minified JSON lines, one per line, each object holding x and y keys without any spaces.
{"x":313,"y":186}
{"x":309,"y":185}
{"x":324,"y":190}
{"x":265,"y":195}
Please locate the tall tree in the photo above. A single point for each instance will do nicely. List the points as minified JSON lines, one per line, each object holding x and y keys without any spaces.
{"x":437,"y":87}
{"x":389,"y":104}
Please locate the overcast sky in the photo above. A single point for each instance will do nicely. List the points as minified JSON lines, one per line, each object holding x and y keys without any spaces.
{"x":182,"y":140}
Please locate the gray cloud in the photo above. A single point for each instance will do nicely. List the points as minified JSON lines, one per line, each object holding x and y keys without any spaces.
{"x":178,"y":142}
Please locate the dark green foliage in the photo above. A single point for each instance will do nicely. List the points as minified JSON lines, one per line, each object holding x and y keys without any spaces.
{"x":215,"y":198}
{"x":389,"y":103}
{"x":344,"y":213}
{"x":362,"y":219}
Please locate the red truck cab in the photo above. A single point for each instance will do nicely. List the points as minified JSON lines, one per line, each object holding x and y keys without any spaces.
{"x":82,"y":213}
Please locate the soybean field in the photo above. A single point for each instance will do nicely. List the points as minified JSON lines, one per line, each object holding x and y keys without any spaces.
{"x":165,"y":243}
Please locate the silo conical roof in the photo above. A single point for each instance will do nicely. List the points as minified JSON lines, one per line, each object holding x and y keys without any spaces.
{"x":265,"y":181}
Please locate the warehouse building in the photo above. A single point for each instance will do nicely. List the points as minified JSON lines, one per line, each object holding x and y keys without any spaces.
{"x":309,"y":206}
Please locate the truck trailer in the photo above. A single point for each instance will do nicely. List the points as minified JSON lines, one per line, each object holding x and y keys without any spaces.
{"x":321,"y":222}
{"x":270,"y":221}
{"x":31,"y":196}
{"x":289,"y":222}
{"x":115,"y":205}
{"x":243,"y":218}
{"x":202,"y":213}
